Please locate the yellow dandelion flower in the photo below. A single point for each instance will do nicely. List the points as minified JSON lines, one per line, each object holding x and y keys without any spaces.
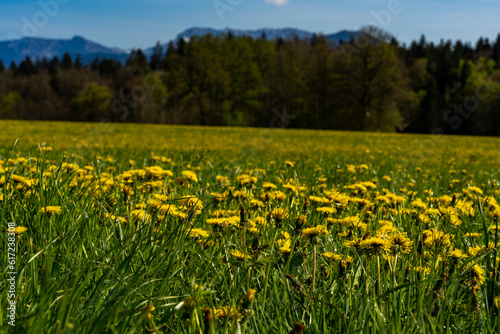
{"x":312,"y":232}
{"x":386,"y":231}
{"x":424,"y":218}
{"x":395,"y":199}
{"x":155,"y":203}
{"x":162,"y":197}
{"x":355,"y":243}
{"x":478,"y":250}
{"x":279,"y":214}
{"x":476,"y":190}
{"x":50,"y":210}
{"x":156,"y":172}
{"x":332,"y":256}
{"x":346,"y":221}
{"x":493,"y":229}
{"x":45,"y":149}
{"x":222,"y":179}
{"x":418,"y":204}
{"x":351,"y":169}
{"x":497,"y":302}
{"x":218,"y":197}
{"x":319,"y":200}
{"x":360,"y":226}
{"x":147,"y":311}
{"x":437,"y":239}
{"x":455,"y":220}
{"x":248,"y":299}
{"x":240,"y":255}
{"x":465,"y":208}
{"x":199,"y":233}
{"x":253,"y":230}
{"x":445,"y":199}
{"x":18,"y":178}
{"x":20,"y":229}
{"x":127,"y":190}
{"x":400,"y":243}
{"x":241,"y":194}
{"x":268,"y":185}
{"x":279,"y":195}
{"x":369,"y":184}
{"x":190,"y":175}
{"x":255,"y":203}
{"x":223,"y":221}
{"x":260,"y":220}
{"x":286,"y":248}
{"x":382,"y":200}
{"x":294,"y":188}
{"x":191,"y":202}
{"x":285,"y":243}
{"x":456,"y":254}
{"x":473,"y":235}
{"x":140,"y":214}
{"x":358,"y":187}
{"x":425,"y":270}
{"x":375,"y":245}
{"x":245,"y":179}
{"x":476,"y":275}
{"x":228,"y":312}
{"x":69,"y":167}
{"x":326,"y":210}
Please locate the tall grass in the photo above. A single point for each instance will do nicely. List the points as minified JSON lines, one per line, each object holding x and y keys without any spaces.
{"x":84,"y":270}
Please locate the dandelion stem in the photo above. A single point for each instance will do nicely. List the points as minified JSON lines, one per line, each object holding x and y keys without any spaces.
{"x":379,"y":284}
{"x":314,"y":268}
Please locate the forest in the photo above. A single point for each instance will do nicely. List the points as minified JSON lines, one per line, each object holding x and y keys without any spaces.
{"x":370,"y":83}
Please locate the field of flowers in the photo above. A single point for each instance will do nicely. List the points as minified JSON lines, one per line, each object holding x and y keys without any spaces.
{"x":124,"y":228}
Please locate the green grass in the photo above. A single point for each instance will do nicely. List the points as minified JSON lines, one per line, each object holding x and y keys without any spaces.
{"x":82,"y":271}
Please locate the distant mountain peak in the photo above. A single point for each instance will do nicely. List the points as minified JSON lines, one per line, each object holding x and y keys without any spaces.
{"x":78,"y":38}
{"x":39,"y":48}
{"x":270,"y":33}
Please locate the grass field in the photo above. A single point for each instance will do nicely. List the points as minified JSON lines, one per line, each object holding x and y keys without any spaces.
{"x":125,"y":228}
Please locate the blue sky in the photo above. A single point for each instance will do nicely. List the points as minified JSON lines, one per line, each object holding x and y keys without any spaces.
{"x":133,"y":23}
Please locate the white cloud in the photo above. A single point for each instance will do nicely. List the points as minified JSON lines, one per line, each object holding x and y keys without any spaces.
{"x":277,"y":2}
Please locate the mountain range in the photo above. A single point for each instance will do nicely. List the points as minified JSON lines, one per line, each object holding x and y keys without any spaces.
{"x":39,"y":48}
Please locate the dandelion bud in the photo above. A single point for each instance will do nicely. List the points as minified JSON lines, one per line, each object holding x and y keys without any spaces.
{"x":248,"y":299}
{"x":208,"y":320}
{"x":298,"y":328}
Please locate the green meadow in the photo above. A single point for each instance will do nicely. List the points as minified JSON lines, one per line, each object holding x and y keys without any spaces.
{"x":123,"y":228}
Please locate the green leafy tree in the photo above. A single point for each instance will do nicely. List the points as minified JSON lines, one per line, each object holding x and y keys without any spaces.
{"x":94,"y":102}
{"x":242,"y":100}
{"x":496,"y":52}
{"x":369,"y":83}
{"x":320,"y":99}
{"x":26,"y":68}
{"x":78,"y":62}
{"x":197,"y":80}
{"x":152,"y":106}
{"x":10,"y":105}
{"x":138,"y":61}
{"x":481,"y":93}
{"x":156,"y":57}
{"x":66,"y":62}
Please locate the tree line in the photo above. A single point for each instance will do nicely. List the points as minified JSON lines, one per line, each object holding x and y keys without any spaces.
{"x":369,"y":83}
